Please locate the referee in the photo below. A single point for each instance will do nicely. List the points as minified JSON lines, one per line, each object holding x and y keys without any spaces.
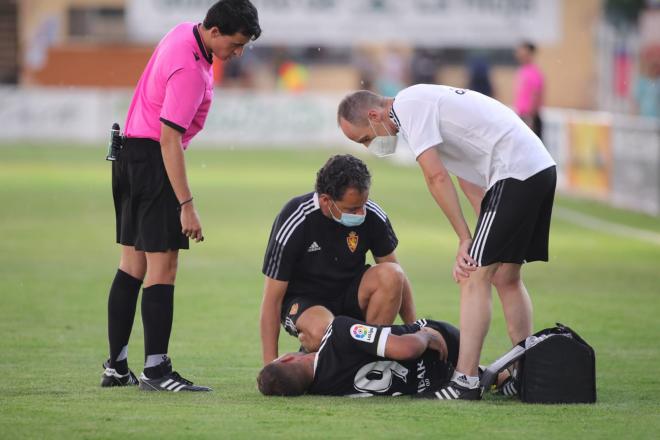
{"x":489,"y":148}
{"x":154,"y":206}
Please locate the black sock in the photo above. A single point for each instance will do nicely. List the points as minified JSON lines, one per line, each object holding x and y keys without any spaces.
{"x":121,"y":312}
{"x":157,"y":313}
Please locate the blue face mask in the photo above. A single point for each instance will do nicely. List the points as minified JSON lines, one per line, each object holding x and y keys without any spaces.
{"x":348,"y":220}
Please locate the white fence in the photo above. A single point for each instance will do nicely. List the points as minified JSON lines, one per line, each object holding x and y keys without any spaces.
{"x":236,"y":118}
{"x":611,"y":157}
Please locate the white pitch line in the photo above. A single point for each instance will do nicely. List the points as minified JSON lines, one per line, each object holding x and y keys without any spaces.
{"x":597,"y":224}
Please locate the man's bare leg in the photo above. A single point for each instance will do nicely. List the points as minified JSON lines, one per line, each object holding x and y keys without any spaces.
{"x":133,"y":262}
{"x":380,"y":293}
{"x":476,"y":310}
{"x":311,"y":325}
{"x":516,"y":303}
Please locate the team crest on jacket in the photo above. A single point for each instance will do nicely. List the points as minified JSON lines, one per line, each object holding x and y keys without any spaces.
{"x":294,"y":309}
{"x":352,"y":241}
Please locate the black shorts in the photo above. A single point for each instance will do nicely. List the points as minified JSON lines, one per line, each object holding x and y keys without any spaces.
{"x":146,"y":208}
{"x":345,"y":304}
{"x":514,"y":224}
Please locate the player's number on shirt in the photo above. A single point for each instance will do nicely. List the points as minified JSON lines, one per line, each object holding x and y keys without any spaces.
{"x":376,"y":377}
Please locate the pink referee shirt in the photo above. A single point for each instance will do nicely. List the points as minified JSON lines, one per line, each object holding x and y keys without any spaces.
{"x":529,"y":90}
{"x":176,"y":87}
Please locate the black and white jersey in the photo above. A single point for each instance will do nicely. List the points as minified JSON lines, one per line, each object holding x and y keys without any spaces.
{"x":351,"y":362}
{"x":318,"y":256}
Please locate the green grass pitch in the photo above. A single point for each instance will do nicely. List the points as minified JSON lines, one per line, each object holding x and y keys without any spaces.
{"x":58,"y":256}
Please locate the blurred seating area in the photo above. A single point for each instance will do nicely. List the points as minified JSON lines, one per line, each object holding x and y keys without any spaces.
{"x":588,"y":63}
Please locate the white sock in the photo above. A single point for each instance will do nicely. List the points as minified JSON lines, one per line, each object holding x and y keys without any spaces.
{"x":123,"y":354}
{"x":464,"y":380}
{"x":154,"y":359}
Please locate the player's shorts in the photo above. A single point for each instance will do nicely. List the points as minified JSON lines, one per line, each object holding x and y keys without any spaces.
{"x":514,"y":223}
{"x":346,"y":304}
{"x":147,"y":210}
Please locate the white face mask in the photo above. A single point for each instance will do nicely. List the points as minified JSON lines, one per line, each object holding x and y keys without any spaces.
{"x":382,"y":146}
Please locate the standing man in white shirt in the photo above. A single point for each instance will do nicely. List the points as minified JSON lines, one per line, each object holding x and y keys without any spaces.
{"x":489,"y":149}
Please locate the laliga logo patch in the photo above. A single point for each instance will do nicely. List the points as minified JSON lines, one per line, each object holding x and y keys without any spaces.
{"x":363,"y":333}
{"x":352,"y":241}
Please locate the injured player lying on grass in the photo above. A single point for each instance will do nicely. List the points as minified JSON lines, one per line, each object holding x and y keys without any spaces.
{"x":359,"y":360}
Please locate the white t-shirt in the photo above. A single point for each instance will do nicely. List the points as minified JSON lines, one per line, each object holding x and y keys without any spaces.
{"x":479,"y":139}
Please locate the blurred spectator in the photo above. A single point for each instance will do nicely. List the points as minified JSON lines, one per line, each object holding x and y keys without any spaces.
{"x":45,"y":37}
{"x":393,"y":73}
{"x":239,"y":73}
{"x":529,"y":88}
{"x":647,"y":89}
{"x":363,"y":61}
{"x":292,"y":77}
{"x":422,"y":67}
{"x":479,"y":80}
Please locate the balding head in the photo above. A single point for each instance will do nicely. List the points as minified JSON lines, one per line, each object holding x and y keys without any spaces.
{"x":355,"y":107}
{"x":363,"y":115}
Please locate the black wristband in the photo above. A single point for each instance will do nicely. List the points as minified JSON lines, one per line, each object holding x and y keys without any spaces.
{"x":187,"y":201}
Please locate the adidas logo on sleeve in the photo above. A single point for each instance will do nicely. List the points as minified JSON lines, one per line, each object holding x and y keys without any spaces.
{"x":314,"y":247}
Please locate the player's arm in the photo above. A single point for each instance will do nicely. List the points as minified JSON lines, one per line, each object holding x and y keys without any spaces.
{"x":175,"y":165}
{"x":474,"y":193}
{"x":412,"y":345}
{"x":282,"y":253}
{"x":443,"y":191}
{"x":269,"y":323}
{"x":407,"y":311}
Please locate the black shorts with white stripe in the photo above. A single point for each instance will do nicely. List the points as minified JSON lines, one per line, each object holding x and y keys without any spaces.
{"x":514,"y":223}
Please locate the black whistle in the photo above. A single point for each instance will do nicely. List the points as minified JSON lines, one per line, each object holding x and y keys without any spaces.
{"x":115,"y":144}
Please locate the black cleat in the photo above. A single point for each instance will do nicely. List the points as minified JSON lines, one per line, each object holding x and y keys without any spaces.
{"x":169,"y":380}
{"x":452,"y":391}
{"x":111,"y":378}
{"x":510,"y":386}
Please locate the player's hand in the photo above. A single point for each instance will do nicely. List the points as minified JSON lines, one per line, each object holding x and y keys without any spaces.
{"x":191,"y":226}
{"x":437,"y":342}
{"x":464,"y":262}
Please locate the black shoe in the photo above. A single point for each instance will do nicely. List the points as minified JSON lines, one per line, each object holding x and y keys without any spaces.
{"x":111,"y":378}
{"x":168,"y":380}
{"x":452,"y":391}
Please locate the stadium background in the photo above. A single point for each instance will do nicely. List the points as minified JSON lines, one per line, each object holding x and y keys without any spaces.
{"x":67,"y":71}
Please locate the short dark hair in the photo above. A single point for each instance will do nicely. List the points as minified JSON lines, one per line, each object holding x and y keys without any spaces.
{"x":341,"y":172}
{"x":232,"y":16}
{"x":531,"y":47}
{"x":278,"y":379}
